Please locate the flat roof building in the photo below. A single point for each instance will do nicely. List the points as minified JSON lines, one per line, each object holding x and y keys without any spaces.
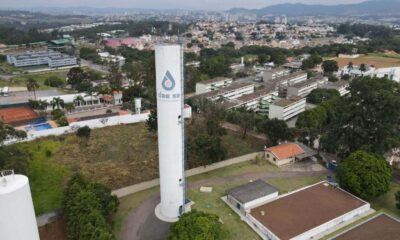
{"x":307,"y":212}
{"x":380,"y":227}
{"x":287,"y":108}
{"x":36,"y":58}
{"x":251,"y":194}
{"x":341,"y":86}
{"x":212,"y":84}
{"x":303,"y":88}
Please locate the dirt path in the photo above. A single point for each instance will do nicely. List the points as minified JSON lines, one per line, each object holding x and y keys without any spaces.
{"x":236,"y":128}
{"x":142,"y":224}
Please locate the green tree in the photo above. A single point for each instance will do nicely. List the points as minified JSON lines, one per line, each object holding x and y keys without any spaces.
{"x":32,"y":85}
{"x":246,"y":119}
{"x":276,"y":131}
{"x":54,"y":81}
{"x":320,"y":95}
{"x":397,"y":197}
{"x":197,"y":225}
{"x":207,"y":149}
{"x":367,"y":119}
{"x":12,"y":157}
{"x":364,"y":174}
{"x":76,"y":76}
{"x":151,"y":122}
{"x":7,"y":132}
{"x":57,"y":103}
{"x":215,"y":66}
{"x":330,"y":66}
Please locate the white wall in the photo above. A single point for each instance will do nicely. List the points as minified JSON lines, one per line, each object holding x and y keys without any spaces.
{"x":95,"y":123}
{"x":261,"y":200}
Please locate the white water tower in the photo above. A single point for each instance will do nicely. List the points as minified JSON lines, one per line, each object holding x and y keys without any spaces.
{"x":17,"y":215}
{"x":169,"y":86}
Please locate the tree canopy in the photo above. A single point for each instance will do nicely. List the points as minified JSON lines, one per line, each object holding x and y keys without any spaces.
{"x":367,"y":120}
{"x":197,"y":225}
{"x":366,"y":175}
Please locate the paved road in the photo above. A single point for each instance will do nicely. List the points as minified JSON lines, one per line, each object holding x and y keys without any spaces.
{"x":142,"y":224}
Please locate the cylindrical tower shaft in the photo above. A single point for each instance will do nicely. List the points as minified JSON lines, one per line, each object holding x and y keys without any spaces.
{"x":169,"y":86}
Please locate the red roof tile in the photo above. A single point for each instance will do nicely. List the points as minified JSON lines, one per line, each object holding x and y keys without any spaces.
{"x":286,"y":150}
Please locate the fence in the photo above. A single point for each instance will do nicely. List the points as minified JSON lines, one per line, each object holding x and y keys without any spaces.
{"x":94,"y":123}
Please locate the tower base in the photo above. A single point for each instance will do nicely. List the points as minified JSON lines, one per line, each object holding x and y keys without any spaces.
{"x":163,"y":218}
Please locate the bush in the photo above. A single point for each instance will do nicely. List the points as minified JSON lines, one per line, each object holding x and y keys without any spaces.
{"x":49,"y":153}
{"x":54,"y":81}
{"x":57,"y":114}
{"x":197,"y":225}
{"x":366,"y":175}
{"x":84,"y":132}
{"x":62,"y":122}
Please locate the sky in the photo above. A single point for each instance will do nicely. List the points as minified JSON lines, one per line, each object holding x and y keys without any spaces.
{"x":162,"y":4}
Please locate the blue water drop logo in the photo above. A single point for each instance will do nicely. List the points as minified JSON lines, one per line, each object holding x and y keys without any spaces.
{"x":168,"y":82}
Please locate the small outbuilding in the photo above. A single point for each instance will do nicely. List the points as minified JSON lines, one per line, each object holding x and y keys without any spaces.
{"x":251,"y":194}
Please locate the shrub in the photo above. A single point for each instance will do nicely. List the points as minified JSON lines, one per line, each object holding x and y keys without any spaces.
{"x":62,"y":122}
{"x":54,"y":81}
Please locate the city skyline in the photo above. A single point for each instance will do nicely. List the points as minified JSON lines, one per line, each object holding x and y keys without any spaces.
{"x":162,"y":4}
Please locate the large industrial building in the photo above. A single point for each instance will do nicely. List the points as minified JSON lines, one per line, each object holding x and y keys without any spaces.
{"x":307,"y":213}
{"x":50,"y":58}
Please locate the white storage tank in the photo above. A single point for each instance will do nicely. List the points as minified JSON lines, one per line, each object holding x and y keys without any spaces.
{"x":17,"y":215}
{"x":138,"y":105}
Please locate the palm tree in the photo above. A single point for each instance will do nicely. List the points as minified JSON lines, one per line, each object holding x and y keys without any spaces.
{"x":90,"y":93}
{"x":57,"y":102}
{"x":32,"y":85}
{"x":79,"y":99}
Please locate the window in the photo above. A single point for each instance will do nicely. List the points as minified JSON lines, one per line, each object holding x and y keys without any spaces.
{"x":274,"y":159}
{"x":267,"y":155}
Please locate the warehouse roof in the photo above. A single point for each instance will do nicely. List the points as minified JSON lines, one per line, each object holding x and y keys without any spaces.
{"x":305,"y":209}
{"x":252,"y":191}
{"x":381,"y":227}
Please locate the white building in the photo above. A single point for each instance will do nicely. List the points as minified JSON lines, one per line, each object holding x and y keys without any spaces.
{"x":230,"y":92}
{"x":212,"y":84}
{"x":275,"y":73}
{"x":287,"y":108}
{"x":341,"y":86}
{"x":37,"y":58}
{"x":107,"y":57}
{"x":304,"y":88}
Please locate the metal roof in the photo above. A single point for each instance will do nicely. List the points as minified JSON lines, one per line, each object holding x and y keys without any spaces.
{"x":252,"y":191}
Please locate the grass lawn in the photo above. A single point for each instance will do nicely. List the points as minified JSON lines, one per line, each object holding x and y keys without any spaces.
{"x":378,"y":60}
{"x":387,"y":201}
{"x":20,"y":81}
{"x":46,"y":177}
{"x":211,"y":202}
{"x":116,"y":156}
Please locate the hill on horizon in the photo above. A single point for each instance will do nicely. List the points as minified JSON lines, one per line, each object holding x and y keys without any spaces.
{"x":374,"y":7}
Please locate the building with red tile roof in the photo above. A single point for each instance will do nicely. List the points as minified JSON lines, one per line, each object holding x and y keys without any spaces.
{"x":284,"y":153}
